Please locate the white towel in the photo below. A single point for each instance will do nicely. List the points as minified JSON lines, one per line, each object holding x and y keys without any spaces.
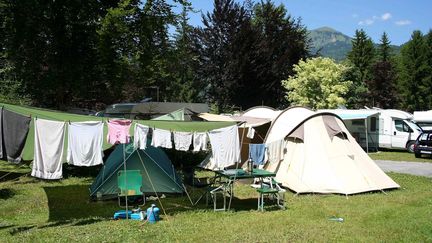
{"x":225,"y":146}
{"x":250,"y":133}
{"x":140,"y":136}
{"x":275,"y":151}
{"x":48,"y":149}
{"x":182,"y":140}
{"x":199,"y":141}
{"x":85,"y":141}
{"x":161,"y":138}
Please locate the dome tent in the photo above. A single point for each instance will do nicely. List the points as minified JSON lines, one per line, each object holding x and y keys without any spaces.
{"x":154,"y":164}
{"x":321,"y":156}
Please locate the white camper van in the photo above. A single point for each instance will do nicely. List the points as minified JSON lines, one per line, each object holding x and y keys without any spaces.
{"x":397,"y":130}
{"x":372,"y":128}
{"x":423,"y":119}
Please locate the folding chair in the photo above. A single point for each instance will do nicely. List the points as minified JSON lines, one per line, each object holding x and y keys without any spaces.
{"x":130,"y":185}
{"x":270,"y":187}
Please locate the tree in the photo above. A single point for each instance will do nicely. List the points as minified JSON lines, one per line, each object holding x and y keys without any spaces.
{"x":186,"y":86}
{"x":381,"y":86}
{"x":318,"y":83}
{"x":414,"y":84}
{"x":384,"y":49}
{"x":283,"y":42}
{"x":361,"y":58}
{"x":223,"y":46}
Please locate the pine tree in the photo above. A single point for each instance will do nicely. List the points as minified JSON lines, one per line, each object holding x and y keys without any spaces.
{"x":361,"y":57}
{"x":384,"y":49}
{"x":414,"y":85}
{"x":381,"y":86}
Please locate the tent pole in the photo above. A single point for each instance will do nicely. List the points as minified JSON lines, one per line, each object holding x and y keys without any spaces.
{"x":126,"y":197}
{"x":366,"y":129}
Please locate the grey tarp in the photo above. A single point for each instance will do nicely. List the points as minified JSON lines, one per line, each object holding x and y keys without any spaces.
{"x":15,"y":130}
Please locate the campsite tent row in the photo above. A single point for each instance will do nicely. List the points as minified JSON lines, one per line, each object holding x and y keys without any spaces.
{"x":320,"y":154}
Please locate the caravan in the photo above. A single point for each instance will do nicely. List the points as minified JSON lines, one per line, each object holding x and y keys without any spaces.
{"x":393,"y":129}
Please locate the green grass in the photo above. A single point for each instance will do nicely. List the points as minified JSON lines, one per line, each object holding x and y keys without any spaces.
{"x":398,"y":156}
{"x":60,"y":211}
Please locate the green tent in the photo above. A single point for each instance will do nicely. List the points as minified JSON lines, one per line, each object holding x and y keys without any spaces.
{"x":157,"y":171}
{"x":177,"y":115}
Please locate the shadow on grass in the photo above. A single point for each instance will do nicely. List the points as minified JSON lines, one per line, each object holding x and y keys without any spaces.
{"x":6,"y":193}
{"x":72,"y":202}
{"x":8,"y":176}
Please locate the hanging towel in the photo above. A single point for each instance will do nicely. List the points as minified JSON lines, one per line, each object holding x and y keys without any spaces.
{"x":48,"y":149}
{"x":257,"y":153}
{"x":225,"y":146}
{"x":199,"y":141}
{"x":85,"y":143}
{"x":275,"y":151}
{"x":15,"y":130}
{"x":118,"y":131}
{"x":140,"y":136}
{"x":182,"y":140}
{"x":161,"y":138}
{"x":251,"y":133}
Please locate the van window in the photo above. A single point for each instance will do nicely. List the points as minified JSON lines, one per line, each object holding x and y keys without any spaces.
{"x":373,"y":124}
{"x":426,"y":137}
{"x":401,"y":126}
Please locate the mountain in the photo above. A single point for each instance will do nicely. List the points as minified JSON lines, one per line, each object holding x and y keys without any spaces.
{"x":332,"y":43}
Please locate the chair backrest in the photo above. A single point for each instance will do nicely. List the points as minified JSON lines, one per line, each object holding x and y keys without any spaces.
{"x":130,"y":182}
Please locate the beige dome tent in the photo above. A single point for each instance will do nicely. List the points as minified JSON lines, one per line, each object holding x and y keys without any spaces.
{"x":321,"y":156}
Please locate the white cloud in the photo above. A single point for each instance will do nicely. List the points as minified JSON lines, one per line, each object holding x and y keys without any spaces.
{"x":403,"y":22}
{"x":386,"y":16}
{"x":366,"y":22}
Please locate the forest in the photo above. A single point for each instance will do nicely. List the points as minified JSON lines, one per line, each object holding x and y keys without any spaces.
{"x":90,"y":53}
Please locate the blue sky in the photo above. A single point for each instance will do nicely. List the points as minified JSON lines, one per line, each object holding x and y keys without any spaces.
{"x":399,"y":18}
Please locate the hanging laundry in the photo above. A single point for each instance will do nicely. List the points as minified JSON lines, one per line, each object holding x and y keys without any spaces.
{"x":161,"y":138}
{"x":140,"y":136}
{"x":251,"y":133}
{"x":199,"y":141}
{"x":15,"y":129}
{"x":275,"y":151}
{"x":48,"y":149}
{"x":225,"y":146}
{"x":182,"y":140}
{"x":85,"y":141}
{"x":257,"y":153}
{"x":118,"y":131}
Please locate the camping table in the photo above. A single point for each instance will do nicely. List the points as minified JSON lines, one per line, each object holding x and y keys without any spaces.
{"x":236,"y":174}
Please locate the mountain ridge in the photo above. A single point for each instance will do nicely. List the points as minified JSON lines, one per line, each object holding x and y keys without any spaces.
{"x":328,"y":42}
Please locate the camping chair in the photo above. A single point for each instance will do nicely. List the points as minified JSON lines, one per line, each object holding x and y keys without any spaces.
{"x":271,"y":188}
{"x":130,"y":185}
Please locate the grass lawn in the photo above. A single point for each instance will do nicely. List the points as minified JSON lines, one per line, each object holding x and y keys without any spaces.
{"x":60,"y":211}
{"x":398,"y":156}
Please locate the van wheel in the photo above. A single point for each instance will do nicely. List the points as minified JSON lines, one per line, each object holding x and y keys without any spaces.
{"x":410,"y":146}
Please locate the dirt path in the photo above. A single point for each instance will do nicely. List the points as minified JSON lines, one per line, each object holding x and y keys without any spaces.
{"x":413,"y":168}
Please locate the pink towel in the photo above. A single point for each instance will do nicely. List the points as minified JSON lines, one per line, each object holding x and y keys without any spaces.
{"x":118,"y":131}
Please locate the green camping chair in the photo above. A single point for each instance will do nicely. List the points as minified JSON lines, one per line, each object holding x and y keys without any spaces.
{"x":130,"y":185}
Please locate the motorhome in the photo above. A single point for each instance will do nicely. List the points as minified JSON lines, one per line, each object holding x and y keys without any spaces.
{"x":381,"y":128}
{"x":423,"y":119}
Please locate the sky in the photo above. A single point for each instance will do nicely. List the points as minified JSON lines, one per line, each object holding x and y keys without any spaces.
{"x":399,"y":18}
